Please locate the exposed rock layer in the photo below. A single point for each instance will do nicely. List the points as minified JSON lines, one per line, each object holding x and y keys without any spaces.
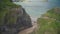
{"x":13,"y":18}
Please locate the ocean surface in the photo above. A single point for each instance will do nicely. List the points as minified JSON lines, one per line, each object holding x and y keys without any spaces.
{"x":35,"y":8}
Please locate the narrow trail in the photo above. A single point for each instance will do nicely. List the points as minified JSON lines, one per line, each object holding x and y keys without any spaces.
{"x":29,"y":30}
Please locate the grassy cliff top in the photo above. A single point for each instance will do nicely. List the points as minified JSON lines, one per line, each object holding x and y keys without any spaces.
{"x":5,"y":6}
{"x":49,"y":23}
{"x":7,"y":3}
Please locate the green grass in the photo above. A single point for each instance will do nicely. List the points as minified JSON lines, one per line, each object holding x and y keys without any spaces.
{"x":5,"y":6}
{"x":49,"y":25}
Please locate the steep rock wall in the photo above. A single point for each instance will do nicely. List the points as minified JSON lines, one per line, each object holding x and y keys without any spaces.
{"x":13,"y":18}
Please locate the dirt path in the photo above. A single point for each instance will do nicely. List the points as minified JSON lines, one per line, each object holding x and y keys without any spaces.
{"x":29,"y":30}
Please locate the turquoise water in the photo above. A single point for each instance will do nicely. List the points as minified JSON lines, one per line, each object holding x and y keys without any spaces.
{"x":37,"y":7}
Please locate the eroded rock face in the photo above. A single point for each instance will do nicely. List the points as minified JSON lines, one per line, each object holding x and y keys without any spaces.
{"x":14,"y":20}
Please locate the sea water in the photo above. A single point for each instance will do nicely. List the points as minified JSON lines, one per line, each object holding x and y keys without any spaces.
{"x":35,"y":8}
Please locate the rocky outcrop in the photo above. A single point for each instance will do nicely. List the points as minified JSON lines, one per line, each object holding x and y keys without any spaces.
{"x":13,"y":19}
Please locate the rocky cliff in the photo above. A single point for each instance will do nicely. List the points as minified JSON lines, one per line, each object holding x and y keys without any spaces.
{"x":13,"y":18}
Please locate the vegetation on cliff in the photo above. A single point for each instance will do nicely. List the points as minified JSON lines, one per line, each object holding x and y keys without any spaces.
{"x":49,"y":23}
{"x":13,"y":18}
{"x":5,"y":5}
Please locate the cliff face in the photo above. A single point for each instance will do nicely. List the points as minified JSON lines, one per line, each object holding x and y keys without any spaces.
{"x":13,"y":18}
